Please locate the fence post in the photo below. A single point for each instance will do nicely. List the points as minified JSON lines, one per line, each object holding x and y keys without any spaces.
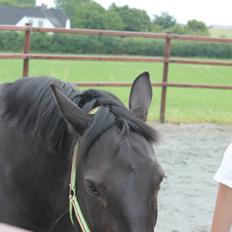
{"x":27,"y":48}
{"x":167,"y":49}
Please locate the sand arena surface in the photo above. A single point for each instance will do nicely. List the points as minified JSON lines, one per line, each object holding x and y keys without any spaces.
{"x":190,"y":156}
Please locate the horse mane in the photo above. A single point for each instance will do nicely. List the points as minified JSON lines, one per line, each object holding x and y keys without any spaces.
{"x":29,"y":106}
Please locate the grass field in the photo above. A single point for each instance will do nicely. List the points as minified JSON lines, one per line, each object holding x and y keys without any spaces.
{"x":221,"y":32}
{"x":183,"y":105}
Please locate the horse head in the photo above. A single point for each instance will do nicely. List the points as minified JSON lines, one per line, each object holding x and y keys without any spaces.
{"x":118,"y":176}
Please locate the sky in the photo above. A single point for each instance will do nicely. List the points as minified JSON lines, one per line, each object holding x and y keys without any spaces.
{"x":211,"y":12}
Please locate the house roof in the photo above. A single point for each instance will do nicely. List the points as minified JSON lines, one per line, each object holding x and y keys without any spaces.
{"x":11,"y":15}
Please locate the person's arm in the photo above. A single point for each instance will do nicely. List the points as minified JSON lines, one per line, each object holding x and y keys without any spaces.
{"x":222,"y":219}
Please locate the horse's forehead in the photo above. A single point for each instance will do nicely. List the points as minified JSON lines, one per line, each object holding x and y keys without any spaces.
{"x":127,"y":141}
{"x":123,"y":150}
{"x":121,"y":158}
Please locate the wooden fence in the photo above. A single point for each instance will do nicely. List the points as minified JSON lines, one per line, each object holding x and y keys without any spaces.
{"x":166,"y":59}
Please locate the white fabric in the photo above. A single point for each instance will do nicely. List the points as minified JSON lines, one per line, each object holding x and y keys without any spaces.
{"x":224,"y":173}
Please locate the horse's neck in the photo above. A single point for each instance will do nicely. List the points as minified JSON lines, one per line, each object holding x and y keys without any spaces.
{"x":44,"y":172}
{"x":38,"y":178}
{"x":2,"y":97}
{"x":55,"y":171}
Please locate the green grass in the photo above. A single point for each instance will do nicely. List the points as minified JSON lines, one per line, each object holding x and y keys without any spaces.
{"x":221,"y":32}
{"x":183,"y":105}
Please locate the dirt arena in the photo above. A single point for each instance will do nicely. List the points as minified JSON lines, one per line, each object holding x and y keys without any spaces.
{"x":190,"y":155}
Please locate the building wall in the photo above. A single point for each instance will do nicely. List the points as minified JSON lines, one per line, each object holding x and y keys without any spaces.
{"x":36,"y":22}
{"x":68,"y":24}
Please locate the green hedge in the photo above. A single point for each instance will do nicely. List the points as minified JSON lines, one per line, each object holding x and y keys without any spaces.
{"x":11,"y":41}
{"x":80,"y":44}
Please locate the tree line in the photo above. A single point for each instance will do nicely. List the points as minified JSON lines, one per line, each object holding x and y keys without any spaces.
{"x":19,"y":3}
{"x":90,"y":14}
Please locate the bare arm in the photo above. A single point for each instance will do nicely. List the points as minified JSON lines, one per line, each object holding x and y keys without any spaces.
{"x":222,"y":219}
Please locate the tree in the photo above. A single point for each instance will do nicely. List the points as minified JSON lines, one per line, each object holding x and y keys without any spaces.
{"x":132,"y":18}
{"x":196,"y":27}
{"x":113,"y":21}
{"x":178,"y":29}
{"x":26,"y":3}
{"x":164,"y":21}
{"x":20,"y":3}
{"x":70,"y":6}
{"x":89,"y":15}
{"x":7,"y":2}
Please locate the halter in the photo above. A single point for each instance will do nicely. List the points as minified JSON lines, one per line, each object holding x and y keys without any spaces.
{"x":73,"y":201}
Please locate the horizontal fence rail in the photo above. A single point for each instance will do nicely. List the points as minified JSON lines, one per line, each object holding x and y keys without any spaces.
{"x":115,"y":33}
{"x":127,"y":84}
{"x":113,"y":58}
{"x":26,"y":56}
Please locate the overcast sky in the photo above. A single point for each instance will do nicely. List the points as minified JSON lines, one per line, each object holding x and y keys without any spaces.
{"x":212,"y":12}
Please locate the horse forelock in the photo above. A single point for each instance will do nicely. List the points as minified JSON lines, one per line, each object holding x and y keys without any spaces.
{"x":111,"y":113}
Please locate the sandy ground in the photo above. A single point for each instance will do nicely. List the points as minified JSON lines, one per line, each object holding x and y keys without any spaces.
{"x":190,"y":156}
{"x":7,"y":228}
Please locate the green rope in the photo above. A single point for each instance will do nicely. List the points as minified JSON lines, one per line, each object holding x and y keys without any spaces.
{"x":73,"y":202}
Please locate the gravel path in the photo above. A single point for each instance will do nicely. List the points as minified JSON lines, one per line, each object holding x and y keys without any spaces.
{"x":189,"y":155}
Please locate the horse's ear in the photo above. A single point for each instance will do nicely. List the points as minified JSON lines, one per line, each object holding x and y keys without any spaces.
{"x":71,"y":112}
{"x":141,"y":95}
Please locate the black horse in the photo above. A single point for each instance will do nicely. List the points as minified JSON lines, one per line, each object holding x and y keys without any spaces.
{"x":118,"y":177}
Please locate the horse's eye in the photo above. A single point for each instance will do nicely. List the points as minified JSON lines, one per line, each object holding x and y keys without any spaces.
{"x":92,"y":188}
